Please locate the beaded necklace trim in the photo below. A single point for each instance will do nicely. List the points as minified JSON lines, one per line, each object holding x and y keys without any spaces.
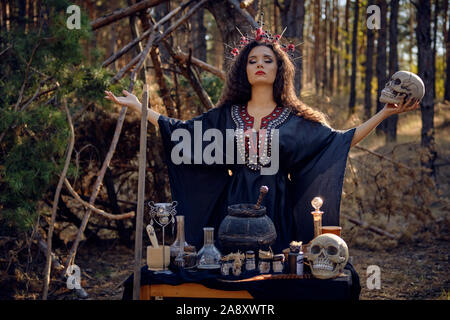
{"x":259,"y":156}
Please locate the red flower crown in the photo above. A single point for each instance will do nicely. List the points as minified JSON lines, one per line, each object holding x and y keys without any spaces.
{"x":264,"y":37}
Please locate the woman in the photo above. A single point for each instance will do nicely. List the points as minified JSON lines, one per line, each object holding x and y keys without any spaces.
{"x":259,"y":97}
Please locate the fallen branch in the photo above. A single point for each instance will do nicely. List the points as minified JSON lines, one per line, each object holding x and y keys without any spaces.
{"x":365,"y":225}
{"x":124,"y":12}
{"x":104,"y":214}
{"x":379,"y":155}
{"x":183,"y":56}
{"x":6,"y":49}
{"x":190,"y":76}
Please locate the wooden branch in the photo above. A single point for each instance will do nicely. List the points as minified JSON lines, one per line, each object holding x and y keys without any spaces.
{"x":365,"y":225}
{"x":190,"y":76}
{"x":137,"y":60}
{"x":104,"y":214}
{"x":37,"y":95}
{"x":141,"y":197}
{"x":144,"y":35}
{"x":6,"y":49}
{"x":143,"y":56}
{"x":180,"y":21}
{"x":124,"y":12}
{"x":126,"y":68}
{"x":48,"y":263}
{"x":183,"y":57}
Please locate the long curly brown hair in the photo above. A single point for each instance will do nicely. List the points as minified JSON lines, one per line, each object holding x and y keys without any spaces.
{"x":238,"y":89}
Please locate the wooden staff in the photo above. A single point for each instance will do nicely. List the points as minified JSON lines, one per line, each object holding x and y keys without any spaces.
{"x":141,"y":197}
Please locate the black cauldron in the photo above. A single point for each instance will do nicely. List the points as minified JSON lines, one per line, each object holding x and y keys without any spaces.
{"x":246,"y":228}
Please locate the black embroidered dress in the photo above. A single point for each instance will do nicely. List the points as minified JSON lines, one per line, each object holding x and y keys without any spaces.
{"x":311,"y":162}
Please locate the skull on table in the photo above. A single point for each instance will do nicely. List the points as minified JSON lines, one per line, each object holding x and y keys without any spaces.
{"x":402,"y":86}
{"x":328,"y":256}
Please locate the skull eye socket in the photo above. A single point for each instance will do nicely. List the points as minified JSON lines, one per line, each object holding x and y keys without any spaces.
{"x":315,"y":249}
{"x":332,"y":251}
{"x":397,"y":81}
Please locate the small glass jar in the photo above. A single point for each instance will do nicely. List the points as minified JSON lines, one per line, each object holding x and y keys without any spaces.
{"x":250,"y":263}
{"x":278,"y":263}
{"x":225,"y":266}
{"x":264,"y":265}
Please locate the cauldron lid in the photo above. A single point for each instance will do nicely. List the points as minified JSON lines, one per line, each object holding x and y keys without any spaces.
{"x":246,"y":210}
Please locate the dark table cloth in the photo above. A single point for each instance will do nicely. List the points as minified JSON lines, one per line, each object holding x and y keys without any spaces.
{"x":342,"y":288}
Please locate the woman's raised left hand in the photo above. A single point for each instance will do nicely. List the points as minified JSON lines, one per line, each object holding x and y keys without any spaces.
{"x":408,"y":105}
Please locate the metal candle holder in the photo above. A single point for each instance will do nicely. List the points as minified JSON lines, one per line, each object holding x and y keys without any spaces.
{"x":162,"y":214}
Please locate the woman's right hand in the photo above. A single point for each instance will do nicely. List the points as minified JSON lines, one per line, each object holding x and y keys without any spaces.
{"x":129,"y":100}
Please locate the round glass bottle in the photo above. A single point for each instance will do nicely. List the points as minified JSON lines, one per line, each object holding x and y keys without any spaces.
{"x":209,"y":256}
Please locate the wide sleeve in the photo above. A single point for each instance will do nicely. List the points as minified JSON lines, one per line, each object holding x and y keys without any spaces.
{"x":318,"y":170}
{"x":199,"y":188}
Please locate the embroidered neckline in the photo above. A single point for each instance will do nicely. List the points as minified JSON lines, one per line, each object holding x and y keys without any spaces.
{"x":254,"y":147}
{"x":250,"y":121}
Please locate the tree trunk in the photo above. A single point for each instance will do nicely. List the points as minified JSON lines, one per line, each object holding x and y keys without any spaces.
{"x":293,"y":18}
{"x":426,"y":72}
{"x":316,"y":32}
{"x":435,"y":27}
{"x":333,"y":30}
{"x":324,"y":50}
{"x":391,"y":122}
{"x":227,"y":18}
{"x":337,"y":46}
{"x":4,"y":16}
{"x":198,"y":34}
{"x":369,"y":71}
{"x":347,"y":40}
{"x":447,"y":53}
{"x":381,"y":59}
{"x":352,"y":102}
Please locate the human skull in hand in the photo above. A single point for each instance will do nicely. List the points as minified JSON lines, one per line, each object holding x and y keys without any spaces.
{"x":402,"y":86}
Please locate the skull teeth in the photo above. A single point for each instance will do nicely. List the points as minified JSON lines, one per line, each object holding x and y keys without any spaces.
{"x":323,"y":264}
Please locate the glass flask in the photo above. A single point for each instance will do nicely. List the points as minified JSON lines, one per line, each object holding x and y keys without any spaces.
{"x":179,"y":245}
{"x":209,"y":256}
